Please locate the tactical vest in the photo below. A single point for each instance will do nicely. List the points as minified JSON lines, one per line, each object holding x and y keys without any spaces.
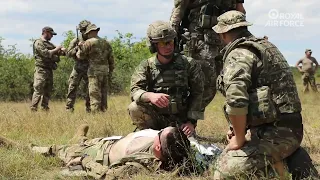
{"x":171,"y":79}
{"x":273,"y":90}
{"x":44,"y":62}
{"x":210,"y":10}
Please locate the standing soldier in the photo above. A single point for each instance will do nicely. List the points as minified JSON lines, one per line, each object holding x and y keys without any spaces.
{"x":46,"y":58}
{"x":167,"y":88}
{"x":308,"y":70}
{"x":79,"y":71}
{"x":261,"y":97}
{"x":99,"y":53}
{"x":202,"y":43}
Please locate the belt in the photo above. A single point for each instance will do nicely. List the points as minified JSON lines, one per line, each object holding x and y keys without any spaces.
{"x":289,"y":120}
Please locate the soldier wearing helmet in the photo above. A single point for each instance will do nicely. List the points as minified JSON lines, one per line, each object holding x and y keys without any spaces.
{"x":79,"y":71}
{"x":167,"y":88}
{"x":200,"y":41}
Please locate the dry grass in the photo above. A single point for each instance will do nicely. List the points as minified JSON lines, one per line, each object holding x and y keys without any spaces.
{"x":58,"y":126}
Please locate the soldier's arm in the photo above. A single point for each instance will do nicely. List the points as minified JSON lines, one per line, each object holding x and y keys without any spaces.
{"x":239,"y":6}
{"x":180,"y":6}
{"x":72,"y":49}
{"x":43,"y":51}
{"x":237,"y":79}
{"x":316,"y":63}
{"x":93,"y":168}
{"x":84,"y":50}
{"x":110,"y":59}
{"x":298,"y":65}
{"x":139,"y":82}
{"x":196,"y":91}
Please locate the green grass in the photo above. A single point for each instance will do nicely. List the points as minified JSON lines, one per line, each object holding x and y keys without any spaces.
{"x":58,"y":126}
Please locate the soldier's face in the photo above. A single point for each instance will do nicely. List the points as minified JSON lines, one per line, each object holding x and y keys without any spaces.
{"x":158,"y":148}
{"x":165,"y":47}
{"x":224,"y":38}
{"x":48,"y":35}
{"x":308,"y":53}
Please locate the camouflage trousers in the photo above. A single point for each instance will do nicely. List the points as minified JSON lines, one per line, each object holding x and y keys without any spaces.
{"x":95,"y":163}
{"x":98,"y":92}
{"x":307,"y":79}
{"x":204,"y":52}
{"x":269,"y":144}
{"x":75,"y":78}
{"x":145,"y":116}
{"x":43,"y":84}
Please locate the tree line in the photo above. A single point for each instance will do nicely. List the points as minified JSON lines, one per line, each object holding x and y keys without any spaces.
{"x":16,"y":69}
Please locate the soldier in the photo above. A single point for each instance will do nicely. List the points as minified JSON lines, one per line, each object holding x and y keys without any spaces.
{"x":46,"y":58}
{"x":261,"y":97}
{"x":99,"y":53}
{"x":79,"y":71}
{"x":112,"y":157}
{"x":202,"y":43}
{"x":308,"y":70}
{"x":167,"y":88}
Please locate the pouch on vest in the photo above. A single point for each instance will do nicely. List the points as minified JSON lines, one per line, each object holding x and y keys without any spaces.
{"x":208,"y":16}
{"x":174,"y":107}
{"x":261,"y":109}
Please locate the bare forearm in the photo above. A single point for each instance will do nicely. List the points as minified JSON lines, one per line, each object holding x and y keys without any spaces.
{"x":239,"y":125}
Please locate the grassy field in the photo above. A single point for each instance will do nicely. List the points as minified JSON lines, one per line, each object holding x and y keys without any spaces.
{"x":58,"y":126}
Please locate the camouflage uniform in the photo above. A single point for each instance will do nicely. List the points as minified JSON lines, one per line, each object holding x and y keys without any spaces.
{"x":78,"y":73}
{"x":99,"y":53}
{"x":258,"y":83}
{"x":308,"y":72}
{"x":45,"y":63}
{"x":180,"y":78}
{"x":108,"y":157}
{"x":203,"y":43}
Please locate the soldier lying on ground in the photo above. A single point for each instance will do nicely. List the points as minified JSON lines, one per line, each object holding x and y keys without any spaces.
{"x":115,"y":157}
{"x":138,"y":152}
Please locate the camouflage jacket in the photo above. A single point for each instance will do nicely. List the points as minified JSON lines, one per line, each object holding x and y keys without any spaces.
{"x":72,"y":53}
{"x":152,"y":76}
{"x":193,"y":9}
{"x":99,"y":53}
{"x":250,"y":63}
{"x":43,"y":55}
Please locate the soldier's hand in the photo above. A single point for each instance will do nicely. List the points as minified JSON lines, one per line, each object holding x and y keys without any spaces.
{"x":235,"y":143}
{"x":187,"y":128}
{"x":161,"y":100}
{"x":63,"y":49}
{"x":75,"y":161}
{"x":81,"y":43}
{"x":230,"y":134}
{"x":58,"y":47}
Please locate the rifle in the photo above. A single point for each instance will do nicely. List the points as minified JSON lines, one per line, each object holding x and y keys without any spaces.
{"x":181,"y":30}
{"x":77,"y":35}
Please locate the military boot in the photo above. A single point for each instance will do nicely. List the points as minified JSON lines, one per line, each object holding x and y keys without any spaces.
{"x":81,"y":135}
{"x":8,"y":142}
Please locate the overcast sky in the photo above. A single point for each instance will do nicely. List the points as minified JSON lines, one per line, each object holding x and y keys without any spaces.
{"x":292,"y":25}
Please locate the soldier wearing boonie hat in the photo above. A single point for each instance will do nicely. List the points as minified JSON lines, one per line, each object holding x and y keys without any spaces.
{"x":255,"y":69}
{"x":99,"y":53}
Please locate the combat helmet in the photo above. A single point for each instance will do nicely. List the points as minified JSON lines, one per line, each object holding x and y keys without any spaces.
{"x":83,"y":25}
{"x":159,"y":31}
